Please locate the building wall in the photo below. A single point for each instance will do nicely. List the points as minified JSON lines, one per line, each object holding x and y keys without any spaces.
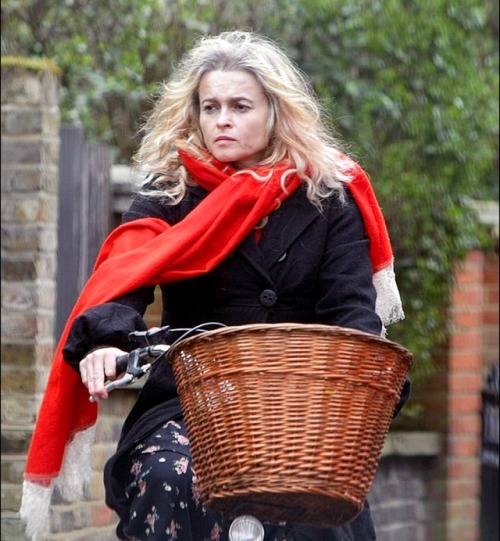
{"x":30,"y":150}
{"x":490,"y":310}
{"x":401,"y":500}
{"x":465,"y":362}
{"x":452,"y":398}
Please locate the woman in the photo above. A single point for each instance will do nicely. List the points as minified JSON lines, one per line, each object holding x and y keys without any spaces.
{"x":249,"y":214}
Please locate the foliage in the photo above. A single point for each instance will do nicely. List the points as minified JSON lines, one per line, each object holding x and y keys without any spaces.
{"x":412,"y":87}
{"x":113,"y":53}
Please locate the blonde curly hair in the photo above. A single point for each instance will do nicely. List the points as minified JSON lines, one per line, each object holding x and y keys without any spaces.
{"x":299,"y":134}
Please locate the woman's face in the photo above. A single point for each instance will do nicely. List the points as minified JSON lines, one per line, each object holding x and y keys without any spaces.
{"x":234,"y":113}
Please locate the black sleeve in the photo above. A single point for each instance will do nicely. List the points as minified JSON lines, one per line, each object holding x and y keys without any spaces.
{"x":107,"y":324}
{"x":347,"y":295}
{"x":144,"y":206}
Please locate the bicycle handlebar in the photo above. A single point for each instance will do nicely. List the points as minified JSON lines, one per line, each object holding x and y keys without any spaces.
{"x":138,"y":362}
{"x":135,"y":364}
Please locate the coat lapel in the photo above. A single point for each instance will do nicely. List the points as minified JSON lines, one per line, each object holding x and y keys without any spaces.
{"x":285,"y":225}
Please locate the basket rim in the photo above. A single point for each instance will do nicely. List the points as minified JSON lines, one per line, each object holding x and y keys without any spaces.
{"x":314,"y":328}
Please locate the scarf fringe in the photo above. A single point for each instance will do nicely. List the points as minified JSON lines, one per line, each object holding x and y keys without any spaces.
{"x":77,"y":466}
{"x":72,"y":483}
{"x":388,"y":305}
{"x":35,"y":504}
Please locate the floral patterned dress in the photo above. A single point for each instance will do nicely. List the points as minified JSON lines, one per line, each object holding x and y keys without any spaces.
{"x":165,"y":502}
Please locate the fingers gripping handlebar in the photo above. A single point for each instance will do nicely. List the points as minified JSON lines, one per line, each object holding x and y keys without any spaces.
{"x":158,"y":341}
{"x":135,"y":364}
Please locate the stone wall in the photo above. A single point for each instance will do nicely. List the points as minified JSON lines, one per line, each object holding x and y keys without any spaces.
{"x":30,"y":147}
{"x":400,"y":501}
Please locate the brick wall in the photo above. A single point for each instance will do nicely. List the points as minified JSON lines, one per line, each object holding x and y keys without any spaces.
{"x":465,"y":361}
{"x":438,"y":497}
{"x":490,"y":310}
{"x":30,"y":157}
{"x":30,"y":146}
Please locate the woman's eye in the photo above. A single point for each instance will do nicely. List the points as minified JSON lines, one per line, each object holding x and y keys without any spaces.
{"x":241,"y":107}
{"x":208,"y":108}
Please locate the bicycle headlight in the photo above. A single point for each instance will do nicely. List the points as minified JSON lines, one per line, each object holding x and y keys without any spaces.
{"x":246,"y":528}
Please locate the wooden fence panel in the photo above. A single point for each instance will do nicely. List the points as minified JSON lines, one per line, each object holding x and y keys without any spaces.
{"x":84,"y":215}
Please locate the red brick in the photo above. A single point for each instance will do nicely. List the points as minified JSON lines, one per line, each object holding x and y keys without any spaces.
{"x":470,"y":272}
{"x":491,"y":271}
{"x":463,"y":360}
{"x":463,"y":520}
{"x":475,"y":256}
{"x":468,"y":297}
{"x":468,"y":318}
{"x":465,"y":403}
{"x":461,"y":446}
{"x":463,"y":509}
{"x":466,"y":381}
{"x":471,"y":275}
{"x":490,"y":316}
{"x":463,"y":489}
{"x":463,"y":467}
{"x":465,"y":424}
{"x":492,"y":296}
{"x":470,"y":340}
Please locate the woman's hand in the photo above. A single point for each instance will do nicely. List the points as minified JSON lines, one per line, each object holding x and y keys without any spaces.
{"x":98,"y":367}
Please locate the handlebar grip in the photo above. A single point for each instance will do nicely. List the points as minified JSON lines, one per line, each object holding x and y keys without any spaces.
{"x":135,"y":361}
{"x":122,"y":363}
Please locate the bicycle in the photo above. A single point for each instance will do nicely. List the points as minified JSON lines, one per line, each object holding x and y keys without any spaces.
{"x":234,"y":376}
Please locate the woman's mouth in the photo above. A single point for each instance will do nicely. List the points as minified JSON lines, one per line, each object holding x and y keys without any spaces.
{"x":224,"y":139}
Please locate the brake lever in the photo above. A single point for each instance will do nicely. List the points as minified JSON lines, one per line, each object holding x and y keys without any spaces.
{"x":135,"y":365}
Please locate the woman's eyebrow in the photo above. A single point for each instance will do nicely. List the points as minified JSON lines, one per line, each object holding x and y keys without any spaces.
{"x":231,"y":99}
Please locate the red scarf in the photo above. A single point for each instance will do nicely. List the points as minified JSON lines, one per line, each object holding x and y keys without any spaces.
{"x":145,"y":252}
{"x":148,"y":252}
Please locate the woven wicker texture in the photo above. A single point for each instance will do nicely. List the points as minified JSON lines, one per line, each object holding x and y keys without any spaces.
{"x":287,"y":421}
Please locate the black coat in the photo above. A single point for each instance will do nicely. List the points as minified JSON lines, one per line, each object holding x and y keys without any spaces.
{"x":310,"y":266}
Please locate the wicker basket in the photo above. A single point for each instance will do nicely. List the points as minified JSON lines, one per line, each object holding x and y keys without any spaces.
{"x":287,"y":421}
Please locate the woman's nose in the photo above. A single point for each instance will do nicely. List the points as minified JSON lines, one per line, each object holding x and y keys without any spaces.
{"x":224,"y":117}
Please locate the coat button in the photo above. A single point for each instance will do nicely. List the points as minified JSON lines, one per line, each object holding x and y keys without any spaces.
{"x":268,"y":297}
